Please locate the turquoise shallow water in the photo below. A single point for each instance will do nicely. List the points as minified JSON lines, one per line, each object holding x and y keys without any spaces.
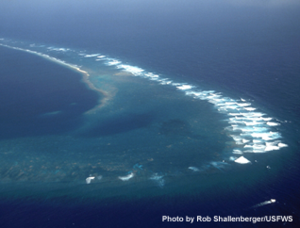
{"x":143,"y":145}
{"x":146,"y":136}
{"x":150,"y":136}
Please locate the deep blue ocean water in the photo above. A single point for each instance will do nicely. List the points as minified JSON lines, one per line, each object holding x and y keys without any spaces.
{"x":50,"y":145}
{"x":46,"y":101}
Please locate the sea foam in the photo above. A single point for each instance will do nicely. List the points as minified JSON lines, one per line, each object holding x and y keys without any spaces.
{"x":251,"y":130}
{"x":246,"y":124}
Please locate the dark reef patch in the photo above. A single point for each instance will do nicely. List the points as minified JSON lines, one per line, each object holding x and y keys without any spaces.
{"x":120,"y":124}
{"x":175,"y":127}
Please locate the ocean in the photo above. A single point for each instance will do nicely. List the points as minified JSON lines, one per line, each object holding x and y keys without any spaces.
{"x":149,"y":114}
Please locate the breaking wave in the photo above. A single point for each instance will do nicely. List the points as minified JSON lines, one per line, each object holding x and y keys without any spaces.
{"x":251,"y":130}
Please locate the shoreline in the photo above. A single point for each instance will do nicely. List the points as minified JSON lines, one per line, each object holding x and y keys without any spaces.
{"x":85,"y":75}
